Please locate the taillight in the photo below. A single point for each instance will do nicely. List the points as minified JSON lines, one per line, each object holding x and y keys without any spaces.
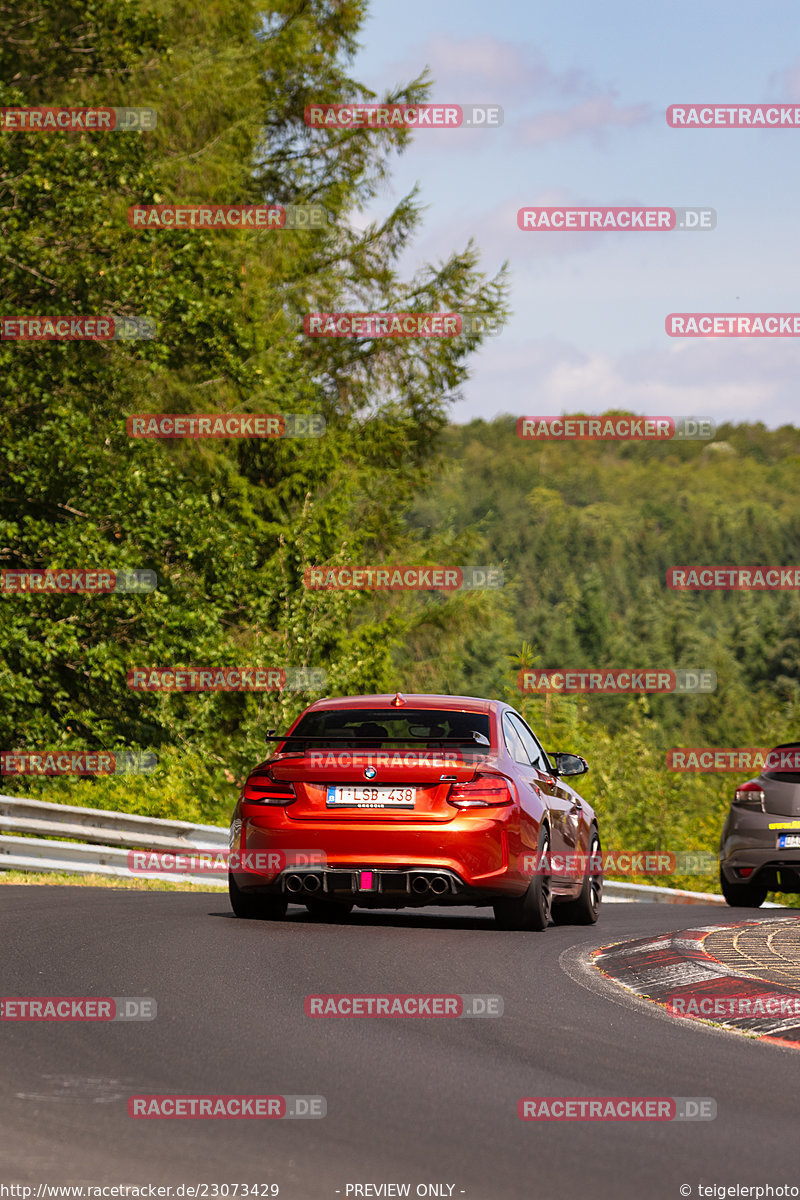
{"x":263,"y":790}
{"x":750,"y":795}
{"x":487,"y":791}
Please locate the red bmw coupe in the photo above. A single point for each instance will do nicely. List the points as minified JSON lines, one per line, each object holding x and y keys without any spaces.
{"x":409,"y":800}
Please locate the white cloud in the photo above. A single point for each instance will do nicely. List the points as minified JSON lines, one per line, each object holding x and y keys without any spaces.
{"x":785,"y":84}
{"x":592,"y":116}
{"x":723,"y":378}
{"x":479,"y":69}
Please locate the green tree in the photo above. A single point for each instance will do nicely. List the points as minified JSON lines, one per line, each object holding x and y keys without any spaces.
{"x":228,"y":527}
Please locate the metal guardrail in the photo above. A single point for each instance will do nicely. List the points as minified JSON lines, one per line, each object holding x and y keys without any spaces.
{"x":94,"y":841}
{"x":642,"y":893}
{"x":648,"y":893}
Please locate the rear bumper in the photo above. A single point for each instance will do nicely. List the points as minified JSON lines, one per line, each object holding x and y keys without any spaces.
{"x":470,"y":854}
{"x":777,"y":870}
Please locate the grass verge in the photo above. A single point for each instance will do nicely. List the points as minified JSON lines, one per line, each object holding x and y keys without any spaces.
{"x":37,"y":878}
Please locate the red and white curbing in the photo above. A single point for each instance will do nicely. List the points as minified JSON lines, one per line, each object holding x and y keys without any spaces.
{"x":677,"y":965}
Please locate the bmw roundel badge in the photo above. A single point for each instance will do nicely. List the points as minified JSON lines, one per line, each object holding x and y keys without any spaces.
{"x":370,"y":772}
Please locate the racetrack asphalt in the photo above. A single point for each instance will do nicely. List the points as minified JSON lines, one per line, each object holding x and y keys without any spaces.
{"x":416,"y":1101}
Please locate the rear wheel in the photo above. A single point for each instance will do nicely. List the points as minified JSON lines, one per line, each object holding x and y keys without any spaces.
{"x":742,"y":895}
{"x":531,"y":911}
{"x":585,"y":908}
{"x":332,"y":911}
{"x":254,"y":907}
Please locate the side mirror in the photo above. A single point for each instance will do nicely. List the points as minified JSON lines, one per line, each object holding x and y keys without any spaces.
{"x":570,"y":764}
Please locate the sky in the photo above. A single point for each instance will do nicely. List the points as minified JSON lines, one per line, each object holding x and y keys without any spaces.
{"x":584,"y":86}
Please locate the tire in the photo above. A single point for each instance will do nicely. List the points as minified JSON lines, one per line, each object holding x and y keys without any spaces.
{"x":532,"y":910}
{"x":743,"y":895}
{"x":585,"y":908}
{"x":332,"y":911}
{"x":253,"y":906}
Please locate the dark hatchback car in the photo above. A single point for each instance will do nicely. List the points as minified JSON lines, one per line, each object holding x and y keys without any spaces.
{"x":394,"y":801}
{"x":760,"y":844}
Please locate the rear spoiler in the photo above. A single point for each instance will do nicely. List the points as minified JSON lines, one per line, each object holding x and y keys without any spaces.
{"x":475,"y":740}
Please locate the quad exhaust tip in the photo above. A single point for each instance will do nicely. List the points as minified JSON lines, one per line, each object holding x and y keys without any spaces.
{"x":421,"y":885}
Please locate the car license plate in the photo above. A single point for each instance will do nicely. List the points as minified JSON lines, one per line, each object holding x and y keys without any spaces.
{"x":365,"y":796}
{"x":788,"y":841}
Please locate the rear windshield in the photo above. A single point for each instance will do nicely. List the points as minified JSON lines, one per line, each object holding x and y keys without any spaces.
{"x":374,"y":728}
{"x":783,"y":764}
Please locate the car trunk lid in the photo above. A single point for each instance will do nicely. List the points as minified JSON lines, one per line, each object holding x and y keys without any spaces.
{"x":394,"y":786}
